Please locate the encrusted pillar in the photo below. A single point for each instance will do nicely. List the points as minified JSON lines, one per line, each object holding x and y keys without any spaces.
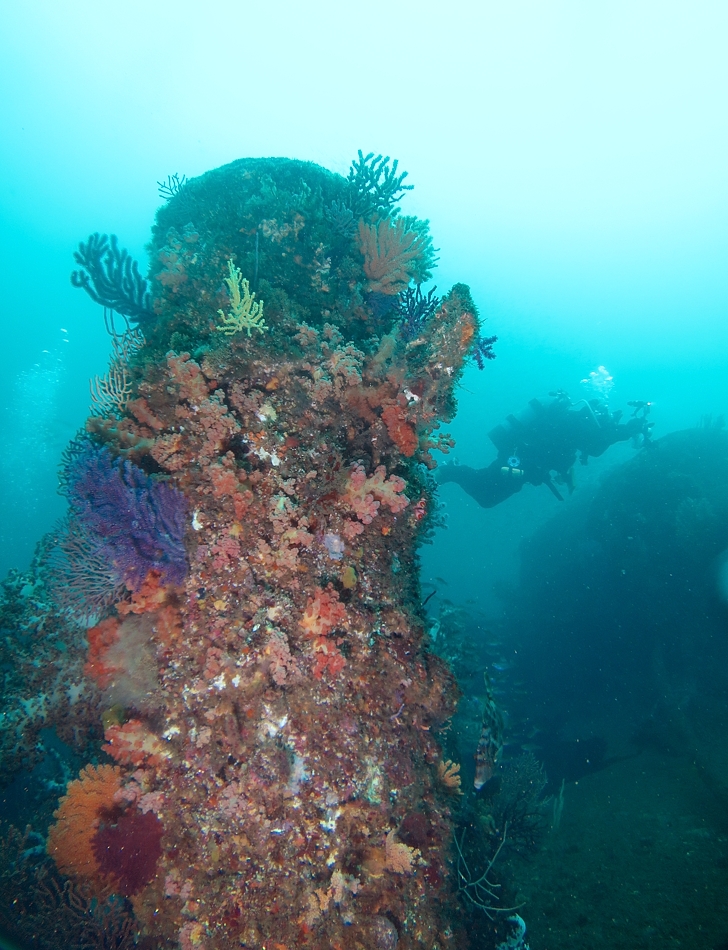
{"x":277,"y":711}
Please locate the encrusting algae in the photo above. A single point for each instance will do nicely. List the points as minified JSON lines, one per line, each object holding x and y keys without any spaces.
{"x":280,"y":740}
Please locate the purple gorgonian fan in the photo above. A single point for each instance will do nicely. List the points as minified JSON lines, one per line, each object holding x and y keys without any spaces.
{"x":138,"y":521}
{"x":80,"y":579}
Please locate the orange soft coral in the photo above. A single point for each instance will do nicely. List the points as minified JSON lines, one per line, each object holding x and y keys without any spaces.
{"x":392,"y":254}
{"x":101,"y":638}
{"x":225,"y":483}
{"x":327,"y":658}
{"x":323,"y":612}
{"x":133,"y":744}
{"x":160,"y":601}
{"x":168,"y":452}
{"x":121,"y":660}
{"x":151,"y":596}
{"x":70,"y":838}
{"x":400,"y":431}
{"x":187,"y":374}
{"x":141,"y":411}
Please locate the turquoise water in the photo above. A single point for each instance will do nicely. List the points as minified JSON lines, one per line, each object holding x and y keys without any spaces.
{"x":571,"y":162}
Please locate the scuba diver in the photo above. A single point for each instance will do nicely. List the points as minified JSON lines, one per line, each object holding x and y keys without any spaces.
{"x":541,"y":444}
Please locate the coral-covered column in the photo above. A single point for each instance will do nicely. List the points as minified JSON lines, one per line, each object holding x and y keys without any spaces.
{"x":277,"y":710}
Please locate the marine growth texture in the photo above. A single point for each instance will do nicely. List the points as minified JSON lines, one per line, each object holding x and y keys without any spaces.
{"x":273,"y":702}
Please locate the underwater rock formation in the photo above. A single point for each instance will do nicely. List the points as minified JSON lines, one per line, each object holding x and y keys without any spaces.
{"x":267,"y":695}
{"x":618,"y":596}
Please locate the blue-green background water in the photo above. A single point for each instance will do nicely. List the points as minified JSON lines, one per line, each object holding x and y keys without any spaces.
{"x":571,"y":158}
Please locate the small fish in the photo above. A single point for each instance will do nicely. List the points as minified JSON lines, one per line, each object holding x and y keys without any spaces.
{"x":490,"y":743}
{"x":486,"y":756}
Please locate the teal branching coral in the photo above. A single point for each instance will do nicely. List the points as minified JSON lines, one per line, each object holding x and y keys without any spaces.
{"x":245,"y":313}
{"x":374,"y":185}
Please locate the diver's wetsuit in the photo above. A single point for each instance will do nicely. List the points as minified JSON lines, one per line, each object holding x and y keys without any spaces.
{"x":545,"y":438}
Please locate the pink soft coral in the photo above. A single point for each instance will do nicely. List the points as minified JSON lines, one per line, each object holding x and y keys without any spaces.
{"x":365,"y":495}
{"x":323,"y":612}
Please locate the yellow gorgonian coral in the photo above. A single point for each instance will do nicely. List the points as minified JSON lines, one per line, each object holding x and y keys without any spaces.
{"x":448,"y":774}
{"x":399,"y":858}
{"x":245,"y":313}
{"x":395,"y":252}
